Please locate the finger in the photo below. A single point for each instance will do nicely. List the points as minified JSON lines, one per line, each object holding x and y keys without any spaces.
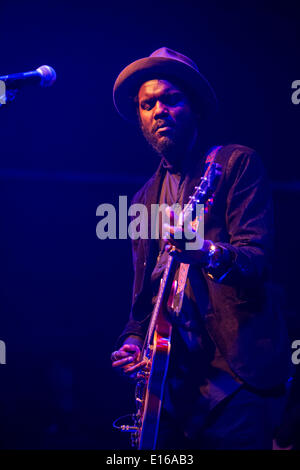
{"x":168,"y":237}
{"x":135,"y":353}
{"x":168,"y":229}
{"x":171,"y":244}
{"x":125,"y":350}
{"x":131,"y":348}
{"x":168,"y":240}
{"x":122,"y":362}
{"x":135,"y":367}
{"x":119,"y":355}
{"x":171,"y":233}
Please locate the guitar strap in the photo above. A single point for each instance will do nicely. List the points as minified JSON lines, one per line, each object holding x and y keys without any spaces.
{"x":184,"y":268}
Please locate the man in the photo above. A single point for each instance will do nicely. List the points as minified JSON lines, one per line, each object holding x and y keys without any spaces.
{"x":228,"y":362}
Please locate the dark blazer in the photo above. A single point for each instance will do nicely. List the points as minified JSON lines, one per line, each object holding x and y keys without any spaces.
{"x":240,"y":312}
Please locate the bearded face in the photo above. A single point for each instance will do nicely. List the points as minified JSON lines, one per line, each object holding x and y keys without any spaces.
{"x":166,"y":119}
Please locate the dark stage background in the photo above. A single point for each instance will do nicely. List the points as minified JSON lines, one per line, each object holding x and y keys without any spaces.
{"x":64,"y":294}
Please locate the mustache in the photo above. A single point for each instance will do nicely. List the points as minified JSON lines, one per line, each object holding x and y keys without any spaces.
{"x":161,"y":123}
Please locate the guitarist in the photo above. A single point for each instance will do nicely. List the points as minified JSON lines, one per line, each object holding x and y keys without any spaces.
{"x":229,"y":354}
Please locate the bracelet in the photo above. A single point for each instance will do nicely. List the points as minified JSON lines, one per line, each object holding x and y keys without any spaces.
{"x":219,"y":262}
{"x":212,"y":263}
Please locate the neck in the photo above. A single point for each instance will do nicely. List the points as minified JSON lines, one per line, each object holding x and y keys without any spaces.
{"x":180,"y":162}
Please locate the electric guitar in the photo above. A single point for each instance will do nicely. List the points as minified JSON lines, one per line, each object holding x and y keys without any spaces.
{"x":157,"y":346}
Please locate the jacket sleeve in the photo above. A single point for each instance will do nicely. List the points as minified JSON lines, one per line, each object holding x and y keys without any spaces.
{"x":249,"y":220}
{"x":135,"y":328}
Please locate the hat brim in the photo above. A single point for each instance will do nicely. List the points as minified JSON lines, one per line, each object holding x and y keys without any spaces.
{"x":135,"y":74}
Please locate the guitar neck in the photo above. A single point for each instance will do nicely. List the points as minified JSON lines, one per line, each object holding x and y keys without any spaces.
{"x":161,"y":296}
{"x":201,"y":194}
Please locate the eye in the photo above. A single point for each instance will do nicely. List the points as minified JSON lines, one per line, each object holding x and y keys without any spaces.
{"x":173,"y":99}
{"x":147,"y":104}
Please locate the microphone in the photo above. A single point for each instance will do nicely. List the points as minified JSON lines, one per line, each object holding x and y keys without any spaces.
{"x":44,"y":76}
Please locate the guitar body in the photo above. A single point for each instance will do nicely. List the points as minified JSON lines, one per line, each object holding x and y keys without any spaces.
{"x":154,"y":391}
{"x":154,"y":388}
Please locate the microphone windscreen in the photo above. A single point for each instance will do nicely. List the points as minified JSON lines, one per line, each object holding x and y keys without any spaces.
{"x":48,"y":75}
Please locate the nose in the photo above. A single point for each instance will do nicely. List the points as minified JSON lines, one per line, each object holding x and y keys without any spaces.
{"x":160,"y":110}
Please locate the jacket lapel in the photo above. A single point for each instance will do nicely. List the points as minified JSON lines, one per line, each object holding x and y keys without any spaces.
{"x":151,"y":197}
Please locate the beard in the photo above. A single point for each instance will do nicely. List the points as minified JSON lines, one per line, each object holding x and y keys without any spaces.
{"x":163,"y":145}
{"x":173,"y":145}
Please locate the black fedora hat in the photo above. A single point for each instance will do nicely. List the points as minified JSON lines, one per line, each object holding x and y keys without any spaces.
{"x":166,"y":64}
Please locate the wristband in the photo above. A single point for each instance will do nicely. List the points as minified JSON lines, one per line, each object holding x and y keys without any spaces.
{"x":212,"y":251}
